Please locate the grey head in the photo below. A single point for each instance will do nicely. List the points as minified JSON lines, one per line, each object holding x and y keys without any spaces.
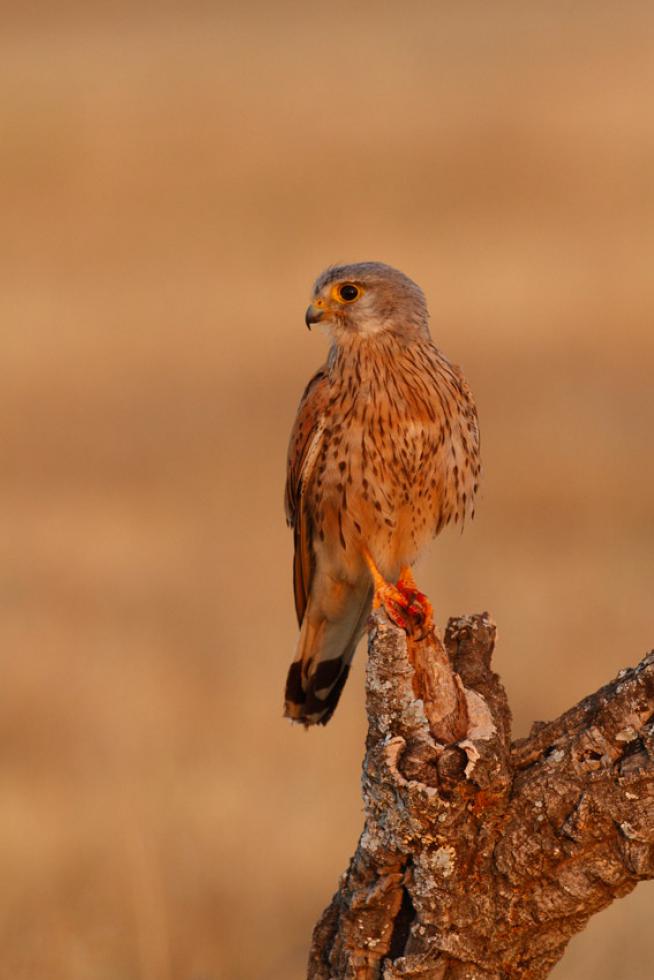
{"x":368,"y":298}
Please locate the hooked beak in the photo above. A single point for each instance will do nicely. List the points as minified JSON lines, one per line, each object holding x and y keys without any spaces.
{"x":314,"y":313}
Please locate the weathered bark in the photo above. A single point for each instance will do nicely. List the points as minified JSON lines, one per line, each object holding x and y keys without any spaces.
{"x":480,"y":858}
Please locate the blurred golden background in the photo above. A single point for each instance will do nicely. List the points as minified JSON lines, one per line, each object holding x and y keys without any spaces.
{"x":171,"y":182}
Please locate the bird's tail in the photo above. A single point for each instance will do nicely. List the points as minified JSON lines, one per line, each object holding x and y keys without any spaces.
{"x":324,"y":653}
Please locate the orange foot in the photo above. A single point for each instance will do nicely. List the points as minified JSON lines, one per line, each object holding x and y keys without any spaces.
{"x":405,"y":605}
{"x":418,"y":607}
{"x":394,"y":602}
{"x":387,"y":596}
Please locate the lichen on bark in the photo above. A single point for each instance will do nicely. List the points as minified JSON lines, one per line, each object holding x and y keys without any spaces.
{"x":480,"y":857}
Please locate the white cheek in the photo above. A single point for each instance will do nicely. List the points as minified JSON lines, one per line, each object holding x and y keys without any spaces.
{"x":365,"y":321}
{"x":369,"y":325}
{"x":361,"y":320}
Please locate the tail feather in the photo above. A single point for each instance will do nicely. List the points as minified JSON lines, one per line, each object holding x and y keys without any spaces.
{"x":325,"y":649}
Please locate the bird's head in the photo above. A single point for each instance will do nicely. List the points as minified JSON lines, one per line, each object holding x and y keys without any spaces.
{"x":368,"y":298}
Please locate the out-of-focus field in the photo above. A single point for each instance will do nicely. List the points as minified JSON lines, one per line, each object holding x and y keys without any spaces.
{"x":170,"y":183}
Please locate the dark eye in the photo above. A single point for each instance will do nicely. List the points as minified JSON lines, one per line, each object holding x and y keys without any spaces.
{"x":348,"y":292}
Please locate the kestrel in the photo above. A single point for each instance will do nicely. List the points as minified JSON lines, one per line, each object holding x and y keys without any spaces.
{"x":384,"y":453}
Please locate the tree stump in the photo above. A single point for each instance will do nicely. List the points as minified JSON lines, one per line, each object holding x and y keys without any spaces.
{"x":480,"y":858}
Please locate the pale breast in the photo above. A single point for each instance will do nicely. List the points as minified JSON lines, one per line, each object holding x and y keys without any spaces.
{"x":399,"y":456}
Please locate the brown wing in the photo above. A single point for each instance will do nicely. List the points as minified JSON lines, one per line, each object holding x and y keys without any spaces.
{"x":305,"y":441}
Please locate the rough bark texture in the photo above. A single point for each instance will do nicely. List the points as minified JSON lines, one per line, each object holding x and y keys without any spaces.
{"x":481,"y":858}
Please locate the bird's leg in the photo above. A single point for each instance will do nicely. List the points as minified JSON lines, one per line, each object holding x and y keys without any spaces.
{"x":387,"y":595}
{"x":419,"y":605}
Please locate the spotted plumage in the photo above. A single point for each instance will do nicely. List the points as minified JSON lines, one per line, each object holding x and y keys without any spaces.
{"x":383,"y":454}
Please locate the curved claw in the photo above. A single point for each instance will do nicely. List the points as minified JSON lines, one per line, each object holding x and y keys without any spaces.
{"x":418,"y":605}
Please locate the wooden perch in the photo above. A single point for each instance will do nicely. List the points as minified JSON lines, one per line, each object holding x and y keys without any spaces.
{"x":480,"y":858}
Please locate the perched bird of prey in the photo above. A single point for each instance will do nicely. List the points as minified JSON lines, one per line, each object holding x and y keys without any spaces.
{"x":383,"y":453}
